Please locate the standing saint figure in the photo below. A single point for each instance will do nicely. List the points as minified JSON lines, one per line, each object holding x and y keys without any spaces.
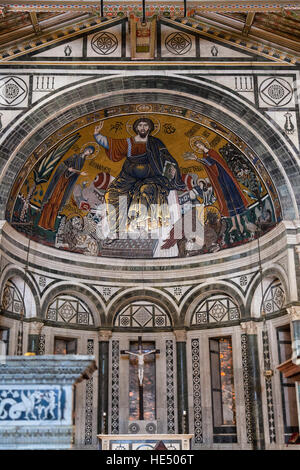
{"x":140,"y":355}
{"x":232,"y":201}
{"x":142,"y":184}
{"x":60,"y":188}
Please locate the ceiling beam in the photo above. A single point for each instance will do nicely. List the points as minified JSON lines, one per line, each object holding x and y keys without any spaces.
{"x":248,"y":23}
{"x":34,"y":22}
{"x":131,"y":5}
{"x":256,"y":45}
{"x":24,"y":33}
{"x":52,"y":38}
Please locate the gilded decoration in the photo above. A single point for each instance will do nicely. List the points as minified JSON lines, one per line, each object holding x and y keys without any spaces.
{"x":143,"y":181}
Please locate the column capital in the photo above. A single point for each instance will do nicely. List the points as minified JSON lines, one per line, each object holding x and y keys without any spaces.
{"x":180,"y":335}
{"x":294,"y":312}
{"x":104,"y":335}
{"x":35,"y":327}
{"x":249,"y":327}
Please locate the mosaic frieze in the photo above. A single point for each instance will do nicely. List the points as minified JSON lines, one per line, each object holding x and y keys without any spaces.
{"x":143,"y":181}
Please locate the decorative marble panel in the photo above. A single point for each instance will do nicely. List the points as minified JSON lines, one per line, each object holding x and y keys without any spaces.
{"x":274,"y":298}
{"x":115,"y":385}
{"x":12,"y":299}
{"x":269,"y":389}
{"x":196,"y":392}
{"x":89,"y":394}
{"x":23,"y":403}
{"x":170,"y":386}
{"x":142,"y":315}
{"x":215,"y":309}
{"x":68,"y":309}
{"x":246,"y":378}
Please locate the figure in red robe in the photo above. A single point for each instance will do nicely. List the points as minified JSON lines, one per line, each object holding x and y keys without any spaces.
{"x":61,"y":186}
{"x":143,"y":182}
{"x":232,"y":201}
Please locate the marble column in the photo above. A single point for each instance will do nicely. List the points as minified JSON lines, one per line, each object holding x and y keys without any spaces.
{"x":34,"y":335}
{"x":103,"y":378}
{"x":182,"y":383}
{"x":255,"y":391}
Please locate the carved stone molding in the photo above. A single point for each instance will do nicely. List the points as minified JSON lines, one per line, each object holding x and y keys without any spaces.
{"x":36,"y":327}
{"x":249,"y":327}
{"x":180,"y":335}
{"x":294,"y":312}
{"x":40,"y":369}
{"x":104,"y":335}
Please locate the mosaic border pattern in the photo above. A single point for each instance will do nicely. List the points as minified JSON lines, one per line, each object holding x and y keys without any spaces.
{"x":246,"y":378}
{"x":170,"y":386}
{"x":198,"y":431}
{"x":115,"y":387}
{"x":268,"y":384}
{"x":89,"y":395}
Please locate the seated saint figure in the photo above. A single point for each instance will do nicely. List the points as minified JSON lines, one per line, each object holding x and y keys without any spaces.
{"x":143,"y":185}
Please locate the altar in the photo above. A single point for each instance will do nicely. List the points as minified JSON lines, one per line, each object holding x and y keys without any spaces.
{"x":143,"y":430}
{"x":144,"y":441}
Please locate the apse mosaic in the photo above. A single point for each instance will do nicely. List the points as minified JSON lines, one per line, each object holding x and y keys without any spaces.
{"x":143,"y":181}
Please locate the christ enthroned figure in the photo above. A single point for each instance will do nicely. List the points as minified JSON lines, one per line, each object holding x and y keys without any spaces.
{"x":141,"y":183}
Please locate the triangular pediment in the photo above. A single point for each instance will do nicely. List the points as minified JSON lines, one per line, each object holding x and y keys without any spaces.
{"x":93,"y":39}
{"x":228,"y":45}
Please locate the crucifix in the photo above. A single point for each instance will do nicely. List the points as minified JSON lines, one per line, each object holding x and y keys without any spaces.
{"x":140,"y":354}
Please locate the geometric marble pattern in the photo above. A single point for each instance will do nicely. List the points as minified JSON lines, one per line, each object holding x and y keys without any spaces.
{"x":170,"y":387}
{"x":141,"y":315}
{"x":89,"y":387}
{"x":274,"y":298}
{"x":216,"y":308}
{"x":197,"y":392}
{"x":269,"y":391}
{"x":115,"y":387}
{"x":41,"y":347}
{"x":11,"y":299}
{"x":68,"y":309}
{"x":246,"y":379}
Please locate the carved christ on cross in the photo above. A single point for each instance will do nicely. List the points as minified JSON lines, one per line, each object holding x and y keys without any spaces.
{"x":140,"y":354}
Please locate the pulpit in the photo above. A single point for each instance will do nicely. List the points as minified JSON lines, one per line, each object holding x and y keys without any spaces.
{"x":36,"y":397}
{"x":291,"y":369}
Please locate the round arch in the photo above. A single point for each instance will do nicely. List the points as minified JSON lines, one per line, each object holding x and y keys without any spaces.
{"x":31,"y":294}
{"x":200,"y":95}
{"x":205,"y":291}
{"x":141,"y":295}
{"x":267,"y":275}
{"x":83,"y":294}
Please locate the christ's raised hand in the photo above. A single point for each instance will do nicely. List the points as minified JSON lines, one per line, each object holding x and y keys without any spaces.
{"x":98,"y":128}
